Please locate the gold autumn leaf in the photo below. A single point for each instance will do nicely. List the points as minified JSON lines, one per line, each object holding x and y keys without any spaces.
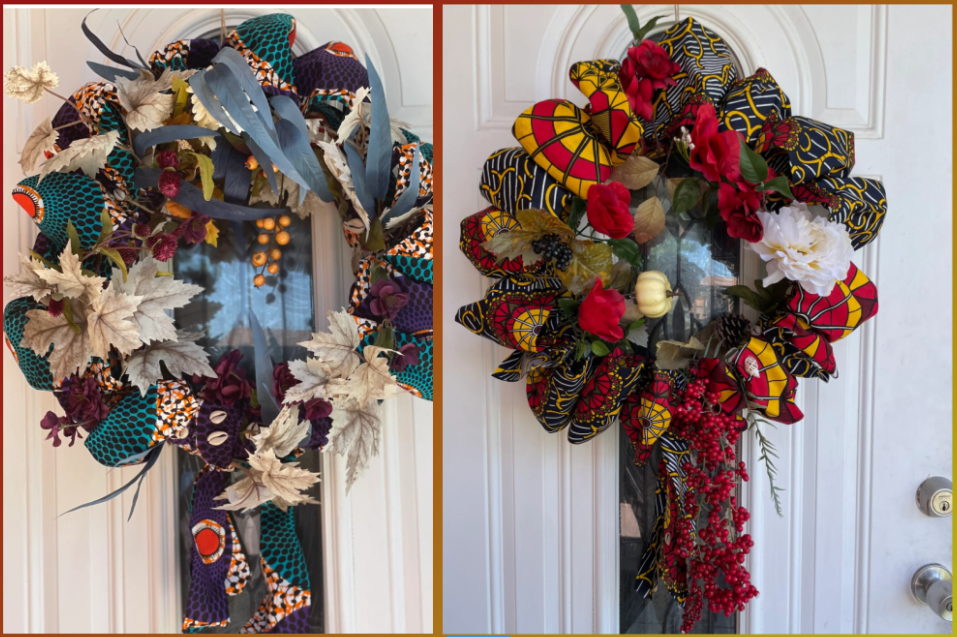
{"x":649,"y":220}
{"x":212,"y":234}
{"x":590,"y":260}
{"x":637,"y":172}
{"x":676,"y":354}
{"x":534,"y":224}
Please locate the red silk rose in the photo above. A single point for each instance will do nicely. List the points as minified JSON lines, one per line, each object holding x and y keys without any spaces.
{"x":638,"y":92}
{"x":600,"y":312}
{"x":737,"y":208}
{"x":647,"y":68}
{"x":715,"y":154}
{"x":608,"y":211}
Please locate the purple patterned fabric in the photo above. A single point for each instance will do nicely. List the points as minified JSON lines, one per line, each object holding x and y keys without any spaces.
{"x":415,"y":317}
{"x":219,"y":455}
{"x":320,"y":433}
{"x":296,"y":623}
{"x":68,"y":115}
{"x":201,"y":53}
{"x":207,"y":602}
{"x":328,"y":70}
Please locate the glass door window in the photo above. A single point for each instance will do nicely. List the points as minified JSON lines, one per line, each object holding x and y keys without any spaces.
{"x":286,"y":310}
{"x":700,"y":264}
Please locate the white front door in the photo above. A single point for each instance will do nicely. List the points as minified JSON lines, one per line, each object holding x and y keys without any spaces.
{"x":94,"y":572}
{"x":531,"y":523}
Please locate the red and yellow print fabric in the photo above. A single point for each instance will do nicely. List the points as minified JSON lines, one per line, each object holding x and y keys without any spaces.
{"x":850,"y":303}
{"x":767,"y":382}
{"x":609,"y":108}
{"x":646,"y":416}
{"x":559,"y":137}
{"x":721,"y":379}
{"x":479,"y":228}
{"x":601,"y":399}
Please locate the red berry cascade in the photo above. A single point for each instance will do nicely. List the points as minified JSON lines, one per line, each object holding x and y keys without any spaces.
{"x":717,"y":549}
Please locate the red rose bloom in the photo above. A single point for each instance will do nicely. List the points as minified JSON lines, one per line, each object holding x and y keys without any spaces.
{"x":638,"y":92}
{"x":646,"y":69}
{"x":715,"y":154}
{"x":600,"y":313}
{"x":608,"y":211}
{"x":653,"y":63}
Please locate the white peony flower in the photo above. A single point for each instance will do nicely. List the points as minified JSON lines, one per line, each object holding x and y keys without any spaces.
{"x":798,"y":246}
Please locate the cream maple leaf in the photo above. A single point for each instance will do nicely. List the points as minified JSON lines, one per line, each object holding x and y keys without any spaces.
{"x":71,"y":350}
{"x":356,"y":116}
{"x":146,"y":105}
{"x":181,"y":356}
{"x":28,"y":282}
{"x":110,"y":323}
{"x":316,"y":380}
{"x":158,"y":295}
{"x":372,"y":380}
{"x":337,"y":348}
{"x":41,"y":141}
{"x":269,"y":480}
{"x":355,"y":435}
{"x":284,"y":434}
{"x":28,"y":85}
{"x":71,"y":282}
{"x":88,"y":155}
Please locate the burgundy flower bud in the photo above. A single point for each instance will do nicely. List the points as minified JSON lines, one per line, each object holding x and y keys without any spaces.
{"x":129,"y":255}
{"x":142,"y":231}
{"x":168,"y":159}
{"x":169,"y":184}
{"x":163,"y":247}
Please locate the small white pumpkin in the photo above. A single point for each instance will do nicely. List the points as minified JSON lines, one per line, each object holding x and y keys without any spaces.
{"x":653,"y":294}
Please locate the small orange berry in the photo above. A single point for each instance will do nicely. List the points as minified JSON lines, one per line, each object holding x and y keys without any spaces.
{"x":275,"y":254}
{"x":259,"y":281}
{"x":269,"y":224}
{"x":273,"y":268}
{"x":283,"y":238}
{"x":252,"y":163}
{"x":285,"y":221}
{"x":259,"y":259}
{"x":264,"y":239}
{"x":260,"y":223}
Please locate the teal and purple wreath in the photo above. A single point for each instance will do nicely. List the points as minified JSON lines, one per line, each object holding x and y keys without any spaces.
{"x":158,"y":155}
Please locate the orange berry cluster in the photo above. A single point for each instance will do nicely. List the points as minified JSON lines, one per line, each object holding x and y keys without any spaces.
{"x":273,"y":230}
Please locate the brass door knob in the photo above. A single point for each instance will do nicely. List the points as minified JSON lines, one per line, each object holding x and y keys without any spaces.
{"x":935,"y":497}
{"x":931,"y":585}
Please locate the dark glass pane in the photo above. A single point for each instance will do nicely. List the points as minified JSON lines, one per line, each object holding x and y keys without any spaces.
{"x":699,"y":263}
{"x":285,"y":308}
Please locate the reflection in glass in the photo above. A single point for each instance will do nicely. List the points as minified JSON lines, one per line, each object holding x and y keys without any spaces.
{"x":285,"y":309}
{"x":699,"y":263}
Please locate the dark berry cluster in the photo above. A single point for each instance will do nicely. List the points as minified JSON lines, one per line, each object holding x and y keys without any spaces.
{"x":552,"y":248}
{"x":719,"y":550}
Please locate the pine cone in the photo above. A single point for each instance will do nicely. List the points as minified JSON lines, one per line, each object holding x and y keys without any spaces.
{"x":734,"y":330}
